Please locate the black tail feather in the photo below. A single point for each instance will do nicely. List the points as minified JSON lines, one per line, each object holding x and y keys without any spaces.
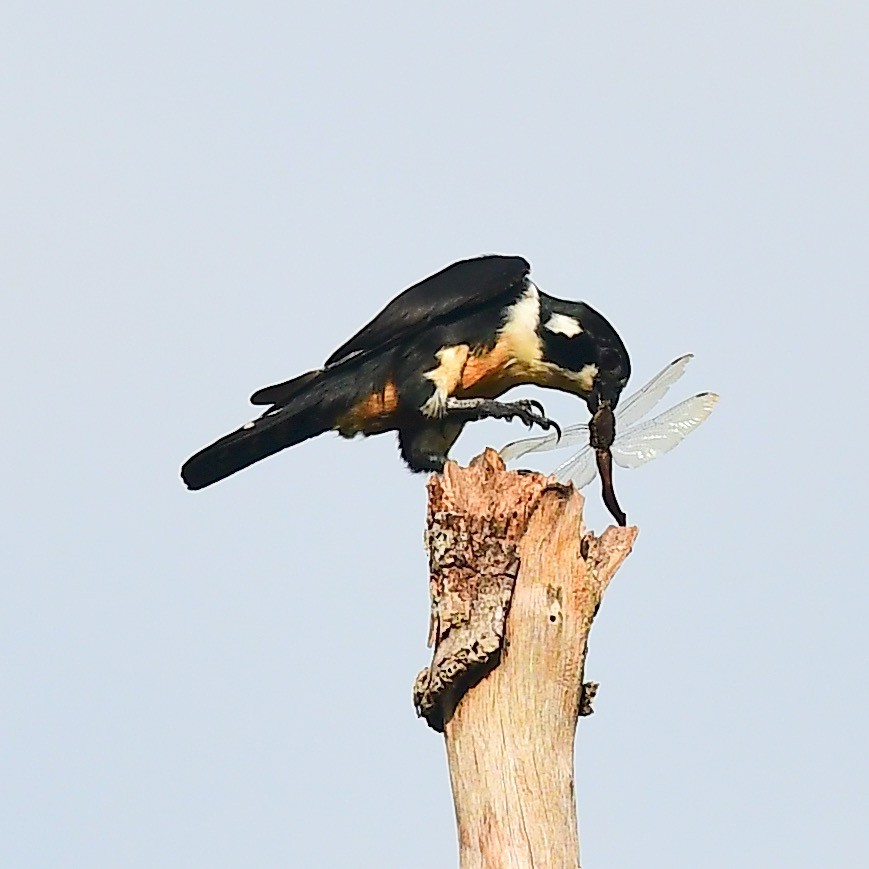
{"x":309,"y":408}
{"x":306,"y":406}
{"x":257,"y":440}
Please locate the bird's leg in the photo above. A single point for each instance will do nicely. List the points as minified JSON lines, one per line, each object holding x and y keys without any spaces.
{"x":529,"y":411}
{"x":425,"y":447}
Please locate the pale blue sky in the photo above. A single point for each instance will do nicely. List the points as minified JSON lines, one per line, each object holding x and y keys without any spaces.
{"x":198,"y":200}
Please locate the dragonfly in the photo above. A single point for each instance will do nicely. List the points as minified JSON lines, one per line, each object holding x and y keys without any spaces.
{"x":637,"y":440}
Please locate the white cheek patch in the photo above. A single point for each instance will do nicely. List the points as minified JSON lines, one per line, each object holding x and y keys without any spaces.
{"x":561,"y":324}
{"x":249,"y":425}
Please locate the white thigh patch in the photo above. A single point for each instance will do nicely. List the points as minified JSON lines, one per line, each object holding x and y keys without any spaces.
{"x":446,"y":377}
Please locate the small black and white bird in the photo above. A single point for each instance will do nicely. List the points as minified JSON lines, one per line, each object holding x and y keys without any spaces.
{"x":434,"y":359}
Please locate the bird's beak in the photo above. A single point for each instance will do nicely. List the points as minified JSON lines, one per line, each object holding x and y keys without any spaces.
{"x":602,"y":430}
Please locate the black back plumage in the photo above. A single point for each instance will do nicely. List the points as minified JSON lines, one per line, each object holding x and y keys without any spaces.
{"x":454,"y":291}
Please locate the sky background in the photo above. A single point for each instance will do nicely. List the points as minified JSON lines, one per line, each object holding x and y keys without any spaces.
{"x":201,"y":199}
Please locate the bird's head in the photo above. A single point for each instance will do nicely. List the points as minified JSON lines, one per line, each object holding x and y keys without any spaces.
{"x":590,"y":354}
{"x":585,"y":353}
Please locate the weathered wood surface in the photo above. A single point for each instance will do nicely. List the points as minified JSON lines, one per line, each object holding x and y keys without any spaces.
{"x":515,"y":584}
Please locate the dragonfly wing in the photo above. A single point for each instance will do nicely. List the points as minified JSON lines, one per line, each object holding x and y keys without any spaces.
{"x":516,"y":449}
{"x":580,"y":470}
{"x":659,"y":435}
{"x":636,"y":406}
{"x":572,"y":436}
{"x":629,"y":411}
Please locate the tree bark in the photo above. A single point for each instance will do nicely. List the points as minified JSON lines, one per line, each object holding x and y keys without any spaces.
{"x":515,"y":584}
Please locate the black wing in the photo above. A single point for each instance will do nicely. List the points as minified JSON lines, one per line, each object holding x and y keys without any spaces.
{"x":461,"y":286}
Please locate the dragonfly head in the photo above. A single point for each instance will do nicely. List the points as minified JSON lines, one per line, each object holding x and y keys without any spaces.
{"x":602,"y":432}
{"x":602,"y":427}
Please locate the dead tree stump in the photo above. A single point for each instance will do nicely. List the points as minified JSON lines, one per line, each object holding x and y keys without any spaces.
{"x":515,"y":584}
